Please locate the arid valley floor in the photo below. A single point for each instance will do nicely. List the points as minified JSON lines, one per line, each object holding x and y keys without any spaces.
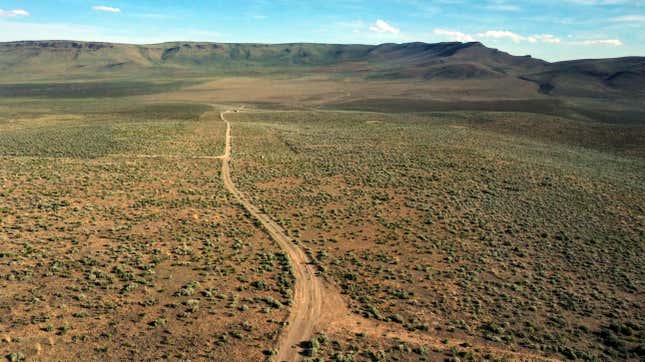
{"x":335,"y":214}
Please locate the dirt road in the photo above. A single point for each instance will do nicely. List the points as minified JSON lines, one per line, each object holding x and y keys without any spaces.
{"x":318,"y":306}
{"x":313,"y":301}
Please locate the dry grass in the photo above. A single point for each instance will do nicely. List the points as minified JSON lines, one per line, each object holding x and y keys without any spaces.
{"x":461,"y":235}
{"x":318,"y":90}
{"x":119,"y":258}
{"x":453,"y":232}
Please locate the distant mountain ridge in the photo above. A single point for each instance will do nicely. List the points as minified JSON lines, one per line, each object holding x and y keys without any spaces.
{"x":221,"y":54}
{"x":588,"y":78}
{"x":32,"y":60}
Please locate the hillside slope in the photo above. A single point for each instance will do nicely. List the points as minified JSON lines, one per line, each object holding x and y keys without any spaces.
{"x":453,"y":60}
{"x":592,"y":78}
{"x":418,"y":60}
{"x":611,"y":90}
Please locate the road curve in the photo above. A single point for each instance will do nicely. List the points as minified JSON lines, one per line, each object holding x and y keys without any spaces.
{"x":311,"y":301}
{"x":318,"y":305}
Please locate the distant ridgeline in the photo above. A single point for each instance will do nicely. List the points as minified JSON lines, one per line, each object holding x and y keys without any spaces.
{"x":33,"y":60}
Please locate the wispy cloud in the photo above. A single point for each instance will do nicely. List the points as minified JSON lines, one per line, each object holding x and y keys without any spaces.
{"x":516,"y":38}
{"x":37,"y":31}
{"x":544,"y":38}
{"x":629,"y":19}
{"x":606,"y":42}
{"x":80,"y":32}
{"x":597,"y":2}
{"x":13,"y":13}
{"x":453,"y":35}
{"x":503,"y":7}
{"x":107,"y":9}
{"x":380,"y":26}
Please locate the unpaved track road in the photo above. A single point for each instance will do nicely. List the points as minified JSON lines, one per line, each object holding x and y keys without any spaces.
{"x":314,"y":302}
{"x":319,"y":306}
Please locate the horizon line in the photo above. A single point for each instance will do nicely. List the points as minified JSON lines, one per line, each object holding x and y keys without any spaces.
{"x":307,"y":43}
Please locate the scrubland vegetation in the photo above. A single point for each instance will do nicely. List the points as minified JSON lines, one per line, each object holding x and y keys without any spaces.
{"x":107,"y":254}
{"x":460,"y":235}
{"x":493,"y":211}
{"x":453,"y":228}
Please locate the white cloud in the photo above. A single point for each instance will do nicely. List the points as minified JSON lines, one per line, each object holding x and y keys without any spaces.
{"x":381,"y":26}
{"x":22,"y":30}
{"x":544,"y":38}
{"x":19,"y":30}
{"x":629,"y":18}
{"x":517,"y":38}
{"x":597,"y":2}
{"x":12,"y":13}
{"x":503,"y":7}
{"x":607,"y":42}
{"x":454,"y":35}
{"x":107,"y":9}
{"x":498,"y":34}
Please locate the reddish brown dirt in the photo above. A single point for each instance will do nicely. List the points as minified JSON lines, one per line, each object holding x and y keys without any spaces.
{"x":317,"y":305}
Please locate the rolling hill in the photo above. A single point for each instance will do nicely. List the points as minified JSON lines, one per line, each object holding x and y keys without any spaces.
{"x":60,"y":67}
{"x":592,"y":78}
{"x":72,"y":59}
{"x":447,"y":60}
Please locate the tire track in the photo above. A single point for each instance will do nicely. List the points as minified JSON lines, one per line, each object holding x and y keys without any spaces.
{"x":318,"y":306}
{"x":314,"y":302}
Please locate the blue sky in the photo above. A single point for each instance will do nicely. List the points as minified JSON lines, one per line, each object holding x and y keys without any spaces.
{"x":547,"y":29}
